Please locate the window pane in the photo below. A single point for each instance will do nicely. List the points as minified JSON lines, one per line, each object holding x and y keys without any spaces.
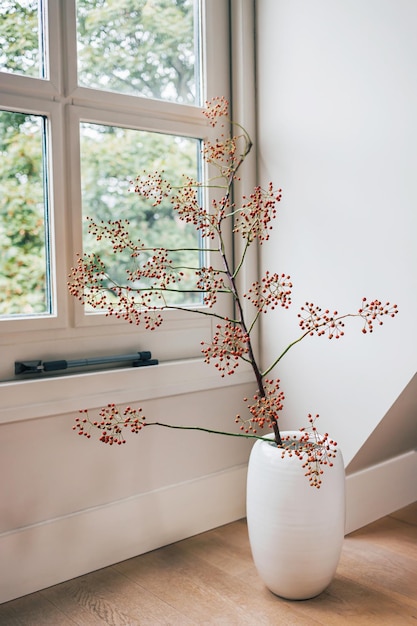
{"x":140,"y":47}
{"x":24,"y":278}
{"x":110,"y":158}
{"x":22,"y":37}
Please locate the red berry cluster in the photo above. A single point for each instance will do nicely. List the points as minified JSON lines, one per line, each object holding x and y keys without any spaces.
{"x":153,"y":187}
{"x":216,"y":108}
{"x":144,"y":306}
{"x":225,"y":154}
{"x":229,"y":345}
{"x":88,"y":277}
{"x":253,"y":220}
{"x":314,"y":320}
{"x":115,"y":231}
{"x":185,"y":204}
{"x":156,"y":266}
{"x":264,"y":407}
{"x":272,"y":291}
{"x":313,"y":449}
{"x":142,"y":296}
{"x":111,"y":422}
{"x":211,"y":282}
{"x":371,"y":312}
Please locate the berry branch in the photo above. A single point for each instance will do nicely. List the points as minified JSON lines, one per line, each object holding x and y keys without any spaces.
{"x":153,"y":275}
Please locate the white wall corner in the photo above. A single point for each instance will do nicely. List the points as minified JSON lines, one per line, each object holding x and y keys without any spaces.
{"x":380,"y":489}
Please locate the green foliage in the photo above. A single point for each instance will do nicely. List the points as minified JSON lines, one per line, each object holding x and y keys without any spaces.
{"x":110,"y":156}
{"x":141,"y":47}
{"x":19,"y":33}
{"x":22,"y":221}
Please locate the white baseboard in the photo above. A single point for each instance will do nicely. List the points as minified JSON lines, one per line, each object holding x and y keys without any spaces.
{"x":381,"y":489}
{"x":45,"y":554}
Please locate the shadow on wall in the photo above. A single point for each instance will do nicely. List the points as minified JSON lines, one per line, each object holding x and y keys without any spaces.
{"x":394,"y":435}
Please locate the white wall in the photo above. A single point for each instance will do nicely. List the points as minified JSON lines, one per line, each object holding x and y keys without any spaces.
{"x":69,"y":505}
{"x":337,"y":129}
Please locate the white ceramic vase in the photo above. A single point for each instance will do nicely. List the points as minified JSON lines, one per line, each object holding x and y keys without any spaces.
{"x":295,"y":530}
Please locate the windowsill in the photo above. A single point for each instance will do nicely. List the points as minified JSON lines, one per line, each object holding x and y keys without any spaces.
{"x":33,"y":399}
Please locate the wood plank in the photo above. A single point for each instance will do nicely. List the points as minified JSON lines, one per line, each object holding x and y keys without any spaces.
{"x":32,"y":610}
{"x":211,"y":579}
{"x":407,"y":514}
{"x":108,"y":597}
{"x":206,"y":593}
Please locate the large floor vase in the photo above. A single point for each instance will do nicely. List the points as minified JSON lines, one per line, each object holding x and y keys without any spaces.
{"x":295,"y":530}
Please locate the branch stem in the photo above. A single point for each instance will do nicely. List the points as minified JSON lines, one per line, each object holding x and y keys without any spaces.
{"x":205,"y":430}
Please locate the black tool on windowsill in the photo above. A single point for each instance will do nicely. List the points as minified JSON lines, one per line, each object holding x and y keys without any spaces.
{"x":138,"y":359}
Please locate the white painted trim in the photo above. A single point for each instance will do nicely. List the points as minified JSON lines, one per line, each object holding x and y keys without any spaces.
{"x":32,"y":399}
{"x":51,"y":552}
{"x":381,"y":489}
{"x":47,"y":553}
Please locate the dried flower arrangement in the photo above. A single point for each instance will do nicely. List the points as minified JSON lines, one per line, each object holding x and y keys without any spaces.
{"x":232,"y":342}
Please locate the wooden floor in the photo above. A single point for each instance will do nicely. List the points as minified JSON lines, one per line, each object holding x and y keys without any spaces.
{"x":210,"y":579}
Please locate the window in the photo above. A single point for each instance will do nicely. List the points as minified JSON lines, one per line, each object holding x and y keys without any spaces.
{"x":24,"y":244}
{"x":22,"y":38}
{"x":93,"y":92}
{"x":150,"y":49}
{"x":105,"y":190}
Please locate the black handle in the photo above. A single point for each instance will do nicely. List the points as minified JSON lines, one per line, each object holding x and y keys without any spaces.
{"x":138,"y":359}
{"x":51,"y":366}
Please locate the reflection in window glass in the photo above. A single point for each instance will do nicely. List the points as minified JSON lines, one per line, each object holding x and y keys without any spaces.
{"x":110,"y":158}
{"x":24,"y":278}
{"x":141,"y":47}
{"x":22,"y":37}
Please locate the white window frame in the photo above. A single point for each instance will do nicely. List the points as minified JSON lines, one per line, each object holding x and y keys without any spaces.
{"x":70,"y":333}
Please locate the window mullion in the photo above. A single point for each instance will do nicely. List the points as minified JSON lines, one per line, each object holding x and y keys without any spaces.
{"x":53,"y":37}
{"x":68,"y":47}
